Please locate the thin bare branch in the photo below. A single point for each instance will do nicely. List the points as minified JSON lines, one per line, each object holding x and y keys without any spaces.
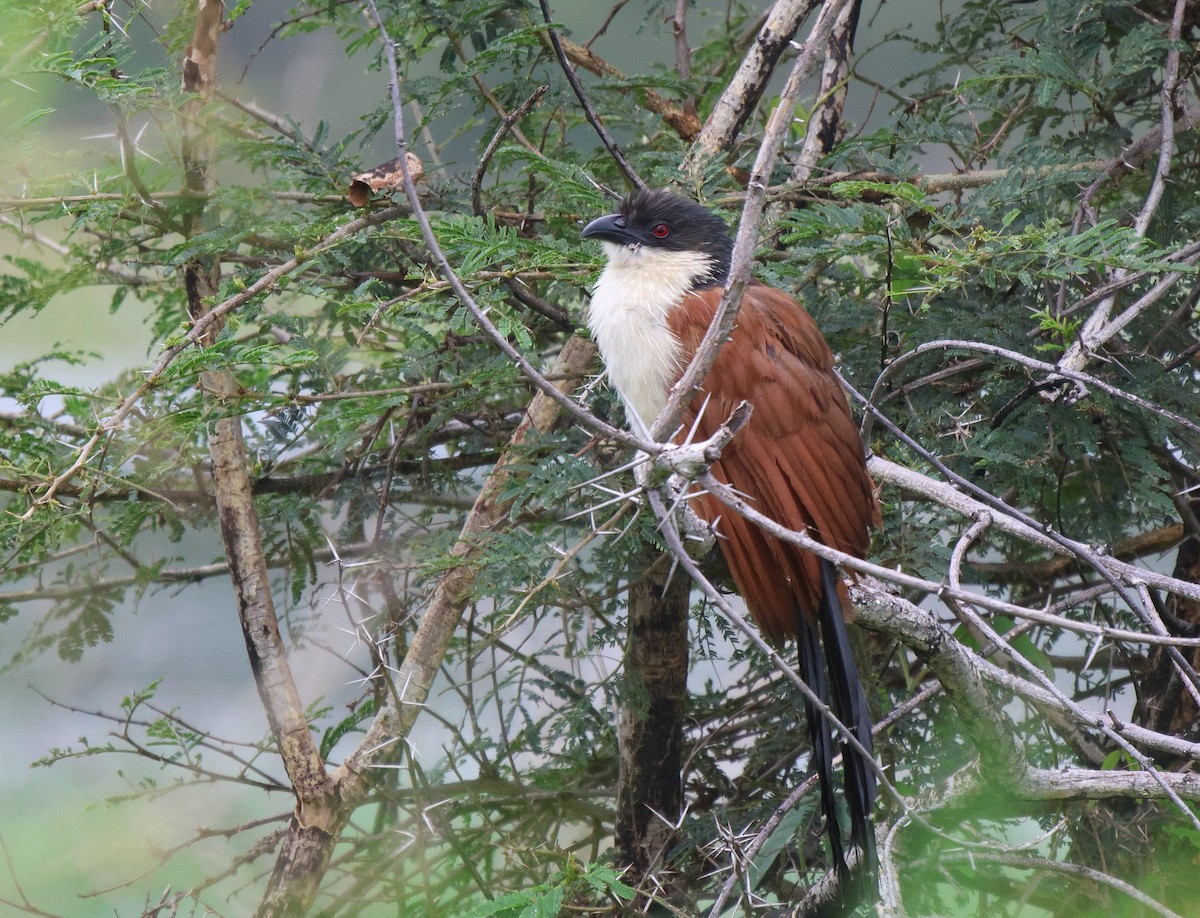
{"x":446,"y":605}
{"x":746,"y":241}
{"x":682,"y":121}
{"x":1074,"y":870}
{"x":1099,"y":328}
{"x":507,"y":124}
{"x":588,"y":111}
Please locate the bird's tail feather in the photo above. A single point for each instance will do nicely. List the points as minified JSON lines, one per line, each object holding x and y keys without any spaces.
{"x":812,"y":671}
{"x":835,"y":681}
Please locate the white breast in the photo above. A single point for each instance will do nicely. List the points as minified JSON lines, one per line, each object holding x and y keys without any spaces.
{"x":628,"y":319}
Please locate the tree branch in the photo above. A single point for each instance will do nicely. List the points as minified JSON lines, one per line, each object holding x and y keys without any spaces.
{"x":452,"y":593}
{"x":725,"y":317}
{"x":1098,"y":328}
{"x":683,"y":122}
{"x":742,"y":93}
{"x":588,"y":111}
{"x":825,"y":125}
{"x":232,"y":489}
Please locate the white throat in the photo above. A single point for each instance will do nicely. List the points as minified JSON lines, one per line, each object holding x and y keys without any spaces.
{"x":628,"y":318}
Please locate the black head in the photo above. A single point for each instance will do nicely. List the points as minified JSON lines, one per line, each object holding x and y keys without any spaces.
{"x":669,"y":222}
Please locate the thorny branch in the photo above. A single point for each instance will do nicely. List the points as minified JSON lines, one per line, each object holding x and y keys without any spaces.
{"x":195,"y":334}
{"x":960,"y":672}
{"x":1120,"y":577}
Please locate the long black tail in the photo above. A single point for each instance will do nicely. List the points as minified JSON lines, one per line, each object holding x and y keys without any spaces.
{"x":835,"y":681}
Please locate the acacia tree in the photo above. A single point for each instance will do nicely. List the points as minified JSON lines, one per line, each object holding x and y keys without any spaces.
{"x":381,"y":405}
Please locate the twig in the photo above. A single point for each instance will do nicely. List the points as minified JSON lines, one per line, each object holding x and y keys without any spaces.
{"x":1130,"y":158}
{"x":881,"y":469}
{"x":1069,"y":869}
{"x":683,"y":53}
{"x":1032,"y":363}
{"x":612,"y":14}
{"x":590,"y":113}
{"x":490,"y":98}
{"x":118,"y":272}
{"x":494,"y":144}
{"x":1084,"y":552}
{"x":1153,"y":541}
{"x":24,"y":905}
{"x":195,"y":334}
{"x":1166,"y":146}
{"x":96,"y":197}
{"x":681,"y":120}
{"x":270,"y":119}
{"x":93,"y":586}
{"x":1098,"y":329}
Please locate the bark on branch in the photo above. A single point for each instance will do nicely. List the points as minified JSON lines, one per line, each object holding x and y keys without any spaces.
{"x":306,"y":851}
{"x":299,"y":868}
{"x":682,"y":122}
{"x":825,"y":123}
{"x":649,"y":723}
{"x":741,"y":95}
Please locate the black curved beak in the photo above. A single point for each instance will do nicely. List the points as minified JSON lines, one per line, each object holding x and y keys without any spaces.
{"x":611,"y":228}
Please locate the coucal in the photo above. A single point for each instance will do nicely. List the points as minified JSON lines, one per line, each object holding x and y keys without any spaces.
{"x":799,"y":460}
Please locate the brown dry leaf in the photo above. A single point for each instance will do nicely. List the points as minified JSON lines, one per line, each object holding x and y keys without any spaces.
{"x":384,"y":177}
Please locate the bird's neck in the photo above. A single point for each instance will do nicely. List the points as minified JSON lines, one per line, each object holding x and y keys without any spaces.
{"x":628,"y":319}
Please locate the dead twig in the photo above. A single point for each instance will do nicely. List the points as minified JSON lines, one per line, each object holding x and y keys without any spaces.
{"x":588,"y":111}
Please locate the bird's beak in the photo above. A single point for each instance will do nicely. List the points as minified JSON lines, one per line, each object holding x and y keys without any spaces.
{"x":610,"y":228}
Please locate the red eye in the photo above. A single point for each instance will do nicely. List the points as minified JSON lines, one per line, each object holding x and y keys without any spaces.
{"x":660,"y":231}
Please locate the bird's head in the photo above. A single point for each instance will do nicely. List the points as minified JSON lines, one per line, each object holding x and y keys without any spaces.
{"x":661,"y":230}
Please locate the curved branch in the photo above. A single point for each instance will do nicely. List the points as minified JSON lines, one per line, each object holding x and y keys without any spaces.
{"x":450,"y":597}
{"x":1098,"y":329}
{"x":202,"y":326}
{"x":1074,"y":870}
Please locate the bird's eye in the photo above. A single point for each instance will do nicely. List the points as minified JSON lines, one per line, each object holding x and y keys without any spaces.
{"x":660,"y":231}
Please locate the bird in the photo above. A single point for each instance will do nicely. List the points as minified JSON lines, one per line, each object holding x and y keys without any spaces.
{"x":799,"y":459}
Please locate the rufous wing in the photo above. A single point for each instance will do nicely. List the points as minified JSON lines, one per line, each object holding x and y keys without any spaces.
{"x":798,"y":461}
